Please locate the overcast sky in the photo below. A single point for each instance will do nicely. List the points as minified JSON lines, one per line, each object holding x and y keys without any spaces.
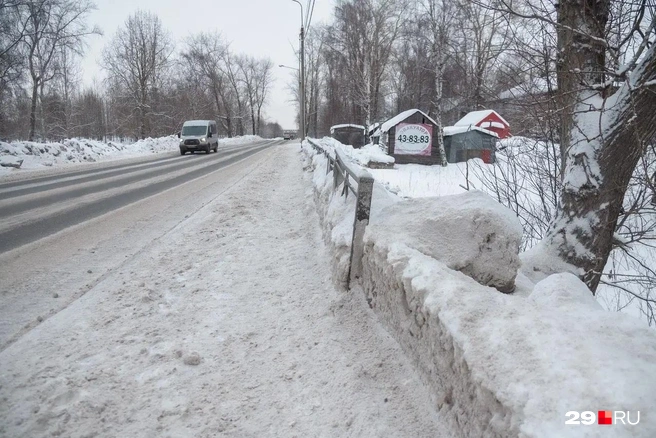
{"x":260,"y":28}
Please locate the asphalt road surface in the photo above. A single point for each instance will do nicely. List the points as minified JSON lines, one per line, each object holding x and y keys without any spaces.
{"x":53,"y":225}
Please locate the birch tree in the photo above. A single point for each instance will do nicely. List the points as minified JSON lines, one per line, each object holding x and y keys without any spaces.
{"x":364,"y":34}
{"x":441,"y":19}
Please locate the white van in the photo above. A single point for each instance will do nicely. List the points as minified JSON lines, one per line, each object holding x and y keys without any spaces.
{"x":198,"y":135}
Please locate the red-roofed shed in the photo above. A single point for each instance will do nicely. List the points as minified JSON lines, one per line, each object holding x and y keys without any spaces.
{"x":486,"y":119}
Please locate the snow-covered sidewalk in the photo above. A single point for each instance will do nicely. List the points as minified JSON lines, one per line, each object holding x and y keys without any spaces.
{"x":227,"y":326}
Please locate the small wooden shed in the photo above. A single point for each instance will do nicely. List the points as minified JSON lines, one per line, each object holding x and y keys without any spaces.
{"x":411,"y":137}
{"x":353,"y":135}
{"x":464,"y":142}
{"x":486,"y":119}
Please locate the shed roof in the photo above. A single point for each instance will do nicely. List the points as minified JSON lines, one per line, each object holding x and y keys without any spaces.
{"x":475,"y":117}
{"x":373,"y":127}
{"x":453,"y":130}
{"x":401,"y":117}
{"x":346,"y":125}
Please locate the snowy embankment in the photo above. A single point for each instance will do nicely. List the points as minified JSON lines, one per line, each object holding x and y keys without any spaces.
{"x":497,"y":364}
{"x":35,"y":155}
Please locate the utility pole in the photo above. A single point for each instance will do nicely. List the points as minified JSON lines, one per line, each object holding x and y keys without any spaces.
{"x":302,"y":83}
{"x":302,"y":73}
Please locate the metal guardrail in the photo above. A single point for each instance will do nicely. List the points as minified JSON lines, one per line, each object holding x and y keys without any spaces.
{"x":363,"y":189}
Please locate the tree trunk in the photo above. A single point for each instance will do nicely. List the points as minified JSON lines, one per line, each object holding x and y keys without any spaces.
{"x":601,"y":140}
{"x":35,"y":91}
{"x":581,"y":60}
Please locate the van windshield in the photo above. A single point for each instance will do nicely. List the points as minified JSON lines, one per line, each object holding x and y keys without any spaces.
{"x":194,"y":130}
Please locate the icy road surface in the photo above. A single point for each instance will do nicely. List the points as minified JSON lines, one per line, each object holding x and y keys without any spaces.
{"x":206,"y":310}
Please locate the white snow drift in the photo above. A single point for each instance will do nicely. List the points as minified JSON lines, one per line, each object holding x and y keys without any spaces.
{"x":497,"y":364}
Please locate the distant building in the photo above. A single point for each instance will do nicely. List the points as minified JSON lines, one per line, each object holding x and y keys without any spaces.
{"x":486,"y":119}
{"x":531,"y":108}
{"x":350,"y":134}
{"x":410,"y":137}
{"x":464,"y":142}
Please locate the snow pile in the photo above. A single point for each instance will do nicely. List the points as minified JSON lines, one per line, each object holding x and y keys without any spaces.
{"x":497,"y":364}
{"x":502,"y":365}
{"x":565,"y":292}
{"x":366,"y":156}
{"x":336,"y":211}
{"x":243,"y":139}
{"x":333,"y":213}
{"x":470,"y":233}
{"x":36,"y":155}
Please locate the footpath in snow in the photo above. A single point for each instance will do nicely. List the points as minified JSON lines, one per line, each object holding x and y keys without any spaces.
{"x":227,"y":326}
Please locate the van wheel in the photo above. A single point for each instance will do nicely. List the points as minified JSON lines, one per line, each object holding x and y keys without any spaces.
{"x":183,"y":151}
{"x":208,"y":149}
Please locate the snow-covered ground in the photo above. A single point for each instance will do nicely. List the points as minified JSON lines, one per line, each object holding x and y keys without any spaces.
{"x":227,"y":325}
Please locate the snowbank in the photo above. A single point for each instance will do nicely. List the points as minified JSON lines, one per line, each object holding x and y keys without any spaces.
{"x":366,"y":156}
{"x":36,"y":155}
{"x":332,"y":209}
{"x":497,"y":364}
{"x":503,"y":365}
{"x":470,"y":233}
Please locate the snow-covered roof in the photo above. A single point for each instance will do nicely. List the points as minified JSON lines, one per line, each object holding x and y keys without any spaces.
{"x":534,"y":86}
{"x":401,"y":117}
{"x":453,"y":130}
{"x":373,"y":127}
{"x":346,"y":125}
{"x":475,"y":117}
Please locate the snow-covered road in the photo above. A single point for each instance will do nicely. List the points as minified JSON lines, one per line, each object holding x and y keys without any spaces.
{"x":226,"y":323}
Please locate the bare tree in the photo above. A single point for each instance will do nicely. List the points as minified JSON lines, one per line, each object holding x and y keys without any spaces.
{"x":363,"y":36}
{"x":206,"y":51}
{"x":441,"y":18}
{"x":13,"y":27}
{"x":482,"y":36}
{"x":604,"y":135}
{"x":314,"y":60}
{"x":235,"y":82}
{"x":136,"y":59}
{"x":263,"y":82}
{"x":257,"y":79}
{"x":53,"y":27}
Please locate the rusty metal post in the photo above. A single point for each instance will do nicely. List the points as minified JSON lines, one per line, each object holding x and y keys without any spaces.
{"x":362,"y":210}
{"x":337,"y":173}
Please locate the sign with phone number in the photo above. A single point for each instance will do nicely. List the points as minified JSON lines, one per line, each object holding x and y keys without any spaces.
{"x":413,"y":139}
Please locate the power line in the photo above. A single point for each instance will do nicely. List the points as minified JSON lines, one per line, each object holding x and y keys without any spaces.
{"x":309,"y":14}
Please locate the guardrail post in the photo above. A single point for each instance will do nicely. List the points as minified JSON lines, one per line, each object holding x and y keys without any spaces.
{"x":362,"y":210}
{"x":337,"y":173}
